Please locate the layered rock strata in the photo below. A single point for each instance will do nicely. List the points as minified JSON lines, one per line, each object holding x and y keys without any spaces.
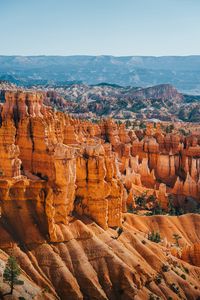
{"x":65,"y":187}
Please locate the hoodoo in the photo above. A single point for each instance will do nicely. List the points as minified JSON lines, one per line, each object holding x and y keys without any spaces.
{"x":68,"y":192}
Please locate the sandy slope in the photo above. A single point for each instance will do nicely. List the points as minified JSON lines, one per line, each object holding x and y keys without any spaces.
{"x":92,"y":264}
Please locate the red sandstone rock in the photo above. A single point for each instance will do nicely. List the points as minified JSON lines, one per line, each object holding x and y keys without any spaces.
{"x":56,"y":170}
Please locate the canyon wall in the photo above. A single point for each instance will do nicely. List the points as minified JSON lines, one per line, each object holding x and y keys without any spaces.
{"x":65,"y":187}
{"x":66,"y":166}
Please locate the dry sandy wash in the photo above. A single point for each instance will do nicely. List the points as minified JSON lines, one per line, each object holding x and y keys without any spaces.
{"x":66,"y":189}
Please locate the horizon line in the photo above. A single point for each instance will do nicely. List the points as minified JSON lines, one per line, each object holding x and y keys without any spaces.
{"x":95,"y":55}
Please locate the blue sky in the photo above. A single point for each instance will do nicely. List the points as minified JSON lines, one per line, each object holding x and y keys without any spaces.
{"x":96,"y":27}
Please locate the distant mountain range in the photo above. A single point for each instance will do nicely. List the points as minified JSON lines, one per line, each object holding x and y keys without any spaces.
{"x":138,"y":71}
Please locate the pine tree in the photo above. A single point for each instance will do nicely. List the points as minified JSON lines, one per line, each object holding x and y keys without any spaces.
{"x":11,"y":274}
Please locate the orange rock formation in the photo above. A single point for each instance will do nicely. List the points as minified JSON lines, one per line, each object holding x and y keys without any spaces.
{"x":65,"y":185}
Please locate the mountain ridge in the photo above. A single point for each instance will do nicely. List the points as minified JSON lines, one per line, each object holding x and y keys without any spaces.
{"x":181,"y":71}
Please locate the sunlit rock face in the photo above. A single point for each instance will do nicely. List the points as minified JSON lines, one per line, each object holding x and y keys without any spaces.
{"x":84,"y":167}
{"x":65,"y":156}
{"x":99,"y":190}
{"x":66,"y":185}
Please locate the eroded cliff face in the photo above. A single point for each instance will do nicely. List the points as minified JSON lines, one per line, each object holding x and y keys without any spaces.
{"x":99,"y":190}
{"x":173,"y":159}
{"x":92,"y":263}
{"x":66,"y":184}
{"x":74,"y":169}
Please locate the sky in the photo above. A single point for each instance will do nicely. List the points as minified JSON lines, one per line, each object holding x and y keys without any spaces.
{"x":100,"y":27}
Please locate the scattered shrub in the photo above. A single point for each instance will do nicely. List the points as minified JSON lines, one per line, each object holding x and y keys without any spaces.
{"x":165,"y":268}
{"x":152,"y":198}
{"x":154,"y":237}
{"x":158,"y":279}
{"x":128,"y":123}
{"x":186,"y":270}
{"x":183,"y":276}
{"x":46,"y":290}
{"x":174,"y":211}
{"x":174,"y":288}
{"x":119,"y":231}
{"x":183,"y":132}
{"x":157,"y":210}
{"x":169,"y":128}
{"x":142,"y":125}
{"x":153,"y":297}
{"x":141,"y":200}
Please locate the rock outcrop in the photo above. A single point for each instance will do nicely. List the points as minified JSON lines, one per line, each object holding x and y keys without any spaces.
{"x":65,"y":187}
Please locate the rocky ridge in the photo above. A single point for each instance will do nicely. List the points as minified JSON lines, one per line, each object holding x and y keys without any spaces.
{"x":161,"y":102}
